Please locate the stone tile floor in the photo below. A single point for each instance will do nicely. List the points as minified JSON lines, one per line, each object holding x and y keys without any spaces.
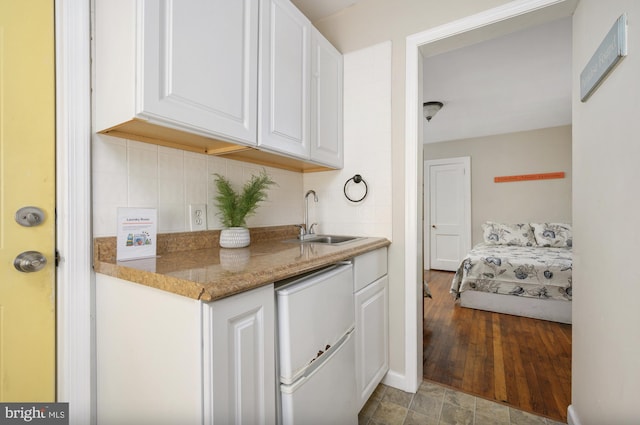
{"x":434,"y":404}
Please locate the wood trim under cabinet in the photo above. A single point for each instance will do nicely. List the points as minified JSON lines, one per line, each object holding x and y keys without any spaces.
{"x":147,"y":132}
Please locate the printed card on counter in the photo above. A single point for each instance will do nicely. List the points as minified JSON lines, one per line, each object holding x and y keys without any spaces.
{"x":137,"y":233}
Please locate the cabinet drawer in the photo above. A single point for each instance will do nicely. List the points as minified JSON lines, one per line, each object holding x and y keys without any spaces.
{"x":369,"y":267}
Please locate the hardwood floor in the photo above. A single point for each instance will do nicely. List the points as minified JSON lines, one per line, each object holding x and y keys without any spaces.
{"x":522,"y":362}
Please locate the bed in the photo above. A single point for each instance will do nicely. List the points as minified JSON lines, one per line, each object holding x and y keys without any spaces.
{"x":521,"y":269}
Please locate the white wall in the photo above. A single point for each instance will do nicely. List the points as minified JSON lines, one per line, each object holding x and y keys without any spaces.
{"x":606,"y":307}
{"x":367,"y":151}
{"x":365,"y":24}
{"x":132,"y":174}
{"x":526,"y":152}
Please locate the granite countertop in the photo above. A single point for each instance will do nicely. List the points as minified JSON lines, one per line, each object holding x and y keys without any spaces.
{"x":193,"y":265}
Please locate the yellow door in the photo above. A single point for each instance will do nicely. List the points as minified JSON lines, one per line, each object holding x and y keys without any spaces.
{"x":27,"y":178}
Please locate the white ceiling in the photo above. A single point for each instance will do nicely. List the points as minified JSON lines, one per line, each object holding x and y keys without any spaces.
{"x":515,"y":82}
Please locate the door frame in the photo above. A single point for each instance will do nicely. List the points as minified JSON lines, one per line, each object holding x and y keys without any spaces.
{"x":75,"y":380}
{"x":466,"y":243}
{"x":488,"y":24}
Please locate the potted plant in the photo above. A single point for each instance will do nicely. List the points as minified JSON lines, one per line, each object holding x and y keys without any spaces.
{"x":234,"y":207}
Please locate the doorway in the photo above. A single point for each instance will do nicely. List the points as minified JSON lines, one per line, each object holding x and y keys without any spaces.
{"x":483,"y":26}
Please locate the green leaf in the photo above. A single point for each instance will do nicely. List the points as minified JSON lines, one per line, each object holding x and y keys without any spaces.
{"x":234,"y":208}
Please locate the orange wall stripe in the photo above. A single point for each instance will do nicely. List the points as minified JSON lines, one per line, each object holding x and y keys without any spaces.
{"x":524,"y":177}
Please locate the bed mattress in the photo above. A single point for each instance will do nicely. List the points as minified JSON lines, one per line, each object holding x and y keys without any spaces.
{"x":534,"y":272}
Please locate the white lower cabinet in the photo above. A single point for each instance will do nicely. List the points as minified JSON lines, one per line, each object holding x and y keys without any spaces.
{"x":371,"y":286}
{"x":239,"y":358}
{"x":167,"y":359}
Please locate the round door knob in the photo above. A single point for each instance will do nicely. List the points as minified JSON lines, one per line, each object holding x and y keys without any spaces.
{"x":433,"y":225}
{"x":30,"y":261}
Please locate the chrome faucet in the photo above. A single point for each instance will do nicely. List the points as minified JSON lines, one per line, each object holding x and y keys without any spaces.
{"x":306,"y":230}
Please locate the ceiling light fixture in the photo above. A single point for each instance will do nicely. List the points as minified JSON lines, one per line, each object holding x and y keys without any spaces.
{"x":429,"y":109}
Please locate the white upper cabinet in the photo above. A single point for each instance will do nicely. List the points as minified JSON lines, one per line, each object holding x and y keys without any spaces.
{"x":326,"y":102}
{"x":300,"y":87}
{"x":200,"y":65}
{"x":189,"y":64}
{"x":251,"y":80}
{"x":285,"y":69}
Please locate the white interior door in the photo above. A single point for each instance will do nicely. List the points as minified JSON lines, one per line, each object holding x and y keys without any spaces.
{"x":447,"y":225}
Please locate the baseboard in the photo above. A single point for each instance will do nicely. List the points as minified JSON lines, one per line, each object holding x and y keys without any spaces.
{"x":395,"y":380}
{"x":572,"y":416}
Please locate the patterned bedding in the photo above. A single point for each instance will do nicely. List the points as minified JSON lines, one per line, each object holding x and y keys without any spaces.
{"x":526,"y":271}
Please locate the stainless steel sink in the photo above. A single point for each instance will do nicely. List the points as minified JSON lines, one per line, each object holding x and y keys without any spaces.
{"x":331,"y":239}
{"x":327,"y":239}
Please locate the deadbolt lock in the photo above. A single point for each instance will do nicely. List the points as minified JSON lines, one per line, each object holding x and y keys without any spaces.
{"x":29,"y":216}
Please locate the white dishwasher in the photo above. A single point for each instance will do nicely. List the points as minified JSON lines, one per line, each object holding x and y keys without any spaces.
{"x":316,"y":348}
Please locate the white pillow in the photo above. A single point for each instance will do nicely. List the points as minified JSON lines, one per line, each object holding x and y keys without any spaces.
{"x":553,"y":234}
{"x":508,"y":234}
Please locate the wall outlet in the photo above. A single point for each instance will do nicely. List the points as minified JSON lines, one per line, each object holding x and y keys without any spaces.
{"x":198,"y":217}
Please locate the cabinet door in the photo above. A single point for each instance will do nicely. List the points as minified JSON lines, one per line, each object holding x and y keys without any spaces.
{"x":199,"y":66}
{"x":285,"y":74}
{"x":326,"y":102}
{"x":372,"y":337}
{"x":239,"y":358}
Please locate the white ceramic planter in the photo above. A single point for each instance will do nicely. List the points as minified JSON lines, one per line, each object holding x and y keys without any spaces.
{"x":234,"y":237}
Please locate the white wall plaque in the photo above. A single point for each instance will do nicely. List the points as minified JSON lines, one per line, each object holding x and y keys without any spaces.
{"x":612,"y":49}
